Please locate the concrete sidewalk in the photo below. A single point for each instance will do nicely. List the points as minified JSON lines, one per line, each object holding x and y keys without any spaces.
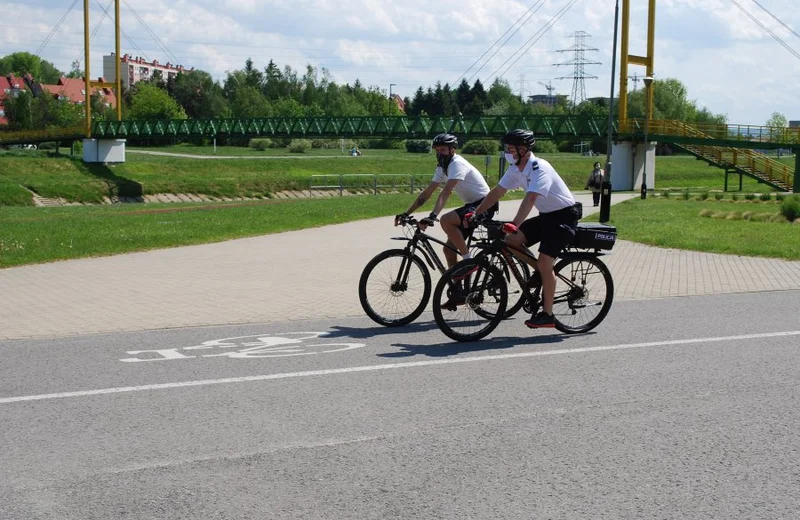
{"x":299,"y":275}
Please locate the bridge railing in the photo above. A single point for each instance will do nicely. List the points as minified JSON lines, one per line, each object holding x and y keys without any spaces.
{"x":38,"y":136}
{"x":725,"y":132}
{"x":372,"y":182}
{"x":728,"y":156}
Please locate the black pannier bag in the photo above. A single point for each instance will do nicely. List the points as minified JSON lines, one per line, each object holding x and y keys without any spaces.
{"x":591,"y":235}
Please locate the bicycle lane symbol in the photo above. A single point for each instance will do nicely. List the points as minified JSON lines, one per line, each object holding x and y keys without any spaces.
{"x":256,"y":346}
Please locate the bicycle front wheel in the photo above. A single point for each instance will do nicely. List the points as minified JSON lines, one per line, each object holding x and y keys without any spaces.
{"x":470,"y":300}
{"x":394,"y":288}
{"x":584,"y":292}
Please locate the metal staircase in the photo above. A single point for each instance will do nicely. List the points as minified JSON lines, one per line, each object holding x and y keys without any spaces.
{"x":732,"y":159}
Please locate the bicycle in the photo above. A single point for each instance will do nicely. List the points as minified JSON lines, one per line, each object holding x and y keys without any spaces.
{"x":584,"y":285}
{"x":395,"y":286}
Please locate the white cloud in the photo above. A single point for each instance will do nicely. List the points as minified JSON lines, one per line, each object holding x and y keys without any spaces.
{"x":728,"y":63}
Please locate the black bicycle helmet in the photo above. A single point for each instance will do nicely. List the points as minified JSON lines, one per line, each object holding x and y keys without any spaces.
{"x":519,"y":137}
{"x":445,"y":139}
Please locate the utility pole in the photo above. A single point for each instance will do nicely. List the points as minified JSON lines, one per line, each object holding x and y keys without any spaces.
{"x":521,"y":84}
{"x":579,"y":63}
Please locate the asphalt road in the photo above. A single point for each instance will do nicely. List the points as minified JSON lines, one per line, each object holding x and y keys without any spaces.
{"x":673,"y":408}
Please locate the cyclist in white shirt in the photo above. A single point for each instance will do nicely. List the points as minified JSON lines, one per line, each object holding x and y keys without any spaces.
{"x":558,"y":215}
{"x":459,"y":176}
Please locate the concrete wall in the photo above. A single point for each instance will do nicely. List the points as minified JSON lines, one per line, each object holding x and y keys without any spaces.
{"x":104,"y":150}
{"x":627,"y":170}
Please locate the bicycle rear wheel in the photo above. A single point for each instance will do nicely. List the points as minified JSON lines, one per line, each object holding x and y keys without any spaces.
{"x":470,"y":300}
{"x":584,"y":292}
{"x":516,"y":294}
{"x":394,"y":288}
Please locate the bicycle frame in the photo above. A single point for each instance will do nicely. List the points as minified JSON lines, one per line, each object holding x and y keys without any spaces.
{"x":532,"y":292}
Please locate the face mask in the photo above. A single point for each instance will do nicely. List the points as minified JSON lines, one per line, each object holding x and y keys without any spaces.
{"x":443,"y":160}
{"x":509,"y":158}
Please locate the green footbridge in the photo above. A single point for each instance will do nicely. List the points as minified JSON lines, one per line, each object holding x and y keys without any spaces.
{"x":734,"y":148}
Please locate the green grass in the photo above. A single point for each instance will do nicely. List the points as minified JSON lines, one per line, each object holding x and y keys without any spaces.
{"x":677,"y":224}
{"x":71,"y":179}
{"x":33,"y":235}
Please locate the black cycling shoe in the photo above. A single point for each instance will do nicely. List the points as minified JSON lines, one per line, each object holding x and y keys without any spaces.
{"x":542,"y":320}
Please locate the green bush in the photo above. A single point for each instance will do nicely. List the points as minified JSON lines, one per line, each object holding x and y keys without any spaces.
{"x":764,"y":196}
{"x":382,"y":144}
{"x":685,"y":195}
{"x":481,"y":147}
{"x":325,"y":144}
{"x":750,"y":196}
{"x":299,"y":145}
{"x":735,"y":197}
{"x":790,"y":207}
{"x":260,"y":144}
{"x":48,"y":146}
{"x":77,"y":148}
{"x":418,"y":146}
{"x":545,"y":147}
{"x":704,"y":195}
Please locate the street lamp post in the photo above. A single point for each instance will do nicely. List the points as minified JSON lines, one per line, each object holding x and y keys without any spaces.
{"x":648,"y":81}
{"x":390,"y":89}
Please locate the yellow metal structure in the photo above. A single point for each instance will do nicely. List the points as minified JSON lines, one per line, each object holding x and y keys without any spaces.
{"x":626,"y":58}
{"x":693,"y":138}
{"x":87,"y":102}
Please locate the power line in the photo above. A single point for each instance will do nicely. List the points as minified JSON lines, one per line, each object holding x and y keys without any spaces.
{"x":150,"y":31}
{"x":776,"y":18}
{"x":775,"y":36}
{"x":58,"y":24}
{"x":520,"y":22}
{"x":533,"y":39}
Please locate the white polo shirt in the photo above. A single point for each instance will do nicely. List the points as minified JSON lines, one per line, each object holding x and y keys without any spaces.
{"x":472,"y":186}
{"x":539,"y":177}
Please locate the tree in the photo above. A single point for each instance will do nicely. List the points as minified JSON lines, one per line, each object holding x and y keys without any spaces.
{"x":248,"y":101}
{"x":21,"y":63}
{"x":75,"y":72}
{"x":199,"y":95}
{"x":777,"y":120}
{"x":150,"y":102}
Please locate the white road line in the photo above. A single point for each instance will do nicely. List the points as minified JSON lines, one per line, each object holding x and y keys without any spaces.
{"x":389,"y":366}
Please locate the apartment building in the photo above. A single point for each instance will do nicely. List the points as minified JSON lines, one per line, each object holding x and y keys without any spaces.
{"x":135,"y":68}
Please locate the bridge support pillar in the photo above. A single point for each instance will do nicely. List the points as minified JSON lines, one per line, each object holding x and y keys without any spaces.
{"x":104,"y":150}
{"x":629,"y":166}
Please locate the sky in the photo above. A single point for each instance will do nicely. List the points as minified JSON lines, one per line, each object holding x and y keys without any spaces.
{"x":728,"y":63}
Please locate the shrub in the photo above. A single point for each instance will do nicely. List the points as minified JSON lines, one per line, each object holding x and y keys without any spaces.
{"x":418,"y":146}
{"x":299,"y":145}
{"x":665,"y":194}
{"x":764,"y":196}
{"x":704,"y":195}
{"x":48,"y":146}
{"x":545,"y":147}
{"x":718,"y":195}
{"x":790,"y":208}
{"x":260,"y":144}
{"x":779,"y":197}
{"x":735,"y":197}
{"x":325,"y":144}
{"x":750,"y":196}
{"x":481,"y":147}
{"x":685,"y":195}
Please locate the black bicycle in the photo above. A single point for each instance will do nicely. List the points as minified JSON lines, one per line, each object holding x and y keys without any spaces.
{"x":584,"y":286}
{"x":395,"y":286}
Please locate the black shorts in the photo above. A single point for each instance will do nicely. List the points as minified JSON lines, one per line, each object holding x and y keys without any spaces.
{"x":466,"y":208}
{"x":555,"y":230}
